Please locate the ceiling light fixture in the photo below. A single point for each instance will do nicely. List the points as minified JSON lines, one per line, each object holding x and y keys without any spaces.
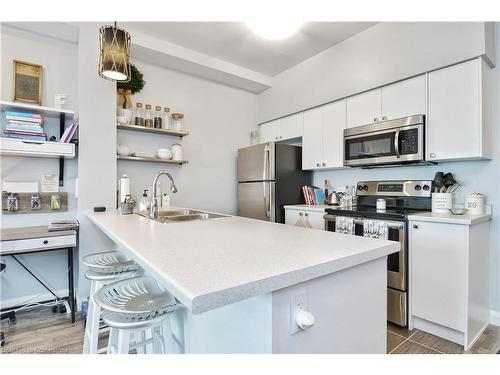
{"x":114,"y":60}
{"x":274,"y":29}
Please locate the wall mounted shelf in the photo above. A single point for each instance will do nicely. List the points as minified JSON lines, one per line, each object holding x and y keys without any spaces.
{"x":44,"y":111}
{"x":151,"y":159}
{"x":178,"y":133}
{"x":43,"y":149}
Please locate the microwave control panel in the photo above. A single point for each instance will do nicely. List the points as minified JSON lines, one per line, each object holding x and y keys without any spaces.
{"x":408,"y":142}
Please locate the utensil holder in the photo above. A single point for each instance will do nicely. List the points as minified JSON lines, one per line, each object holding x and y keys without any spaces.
{"x":127,"y":208}
{"x":441,"y":202}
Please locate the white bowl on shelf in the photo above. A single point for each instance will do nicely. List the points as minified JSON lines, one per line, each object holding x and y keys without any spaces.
{"x":164,"y":154}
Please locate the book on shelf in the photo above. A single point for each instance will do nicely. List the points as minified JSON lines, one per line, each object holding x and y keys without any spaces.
{"x":28,"y":137}
{"x":26,"y":115}
{"x":69,"y":133}
{"x":20,"y":128}
{"x":313,"y":195}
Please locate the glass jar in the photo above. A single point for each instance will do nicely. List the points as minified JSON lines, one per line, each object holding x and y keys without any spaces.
{"x":138,"y":115}
{"x":148,"y":117}
{"x":254,"y":138}
{"x":158,"y":117}
{"x":166,"y":118}
{"x":176,"y":121}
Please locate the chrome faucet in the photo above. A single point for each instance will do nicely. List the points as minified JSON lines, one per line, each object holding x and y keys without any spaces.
{"x":153,"y":205}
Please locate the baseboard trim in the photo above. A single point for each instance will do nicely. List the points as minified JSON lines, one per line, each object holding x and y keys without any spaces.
{"x":495,"y":317}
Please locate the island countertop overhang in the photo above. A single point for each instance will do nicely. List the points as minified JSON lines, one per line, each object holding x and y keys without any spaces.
{"x":212,"y":263}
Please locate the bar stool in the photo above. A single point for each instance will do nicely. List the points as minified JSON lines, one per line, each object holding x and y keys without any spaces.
{"x":139,"y":314}
{"x":104,"y":268}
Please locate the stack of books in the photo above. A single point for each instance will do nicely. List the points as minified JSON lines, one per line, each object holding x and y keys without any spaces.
{"x":24,"y":125}
{"x":313,"y":195}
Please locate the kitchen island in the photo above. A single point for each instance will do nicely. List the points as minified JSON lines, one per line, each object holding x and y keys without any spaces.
{"x":243,"y":281}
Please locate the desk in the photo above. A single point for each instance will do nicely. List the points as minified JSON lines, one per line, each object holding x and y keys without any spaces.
{"x":15,"y":241}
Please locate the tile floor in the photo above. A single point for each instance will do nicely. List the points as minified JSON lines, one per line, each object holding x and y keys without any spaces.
{"x":41,"y":331}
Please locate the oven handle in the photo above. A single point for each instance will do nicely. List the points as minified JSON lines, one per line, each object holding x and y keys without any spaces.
{"x":396,"y":144}
{"x":358,"y":220}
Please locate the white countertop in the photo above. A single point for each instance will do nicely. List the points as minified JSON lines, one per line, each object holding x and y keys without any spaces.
{"x":211,"y":263}
{"x":466,"y":219}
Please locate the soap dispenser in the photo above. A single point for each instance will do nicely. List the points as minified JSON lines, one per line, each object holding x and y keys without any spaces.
{"x":144,"y":203}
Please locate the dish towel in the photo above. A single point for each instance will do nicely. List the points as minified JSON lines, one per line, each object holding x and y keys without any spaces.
{"x":344,"y":225}
{"x":375,"y":229}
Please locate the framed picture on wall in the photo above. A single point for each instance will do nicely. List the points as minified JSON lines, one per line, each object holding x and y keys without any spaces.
{"x":27,"y":82}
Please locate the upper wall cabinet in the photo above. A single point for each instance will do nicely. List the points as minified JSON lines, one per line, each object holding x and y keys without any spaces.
{"x":405,"y":98}
{"x":282,"y":129}
{"x":323,"y":139}
{"x":401,"y":99}
{"x":458,"y":124}
{"x":364,"y":108}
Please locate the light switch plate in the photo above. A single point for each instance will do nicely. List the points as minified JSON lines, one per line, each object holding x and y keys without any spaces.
{"x":298,"y":301}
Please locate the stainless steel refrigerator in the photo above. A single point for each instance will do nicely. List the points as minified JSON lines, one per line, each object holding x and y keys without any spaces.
{"x":270,"y":176}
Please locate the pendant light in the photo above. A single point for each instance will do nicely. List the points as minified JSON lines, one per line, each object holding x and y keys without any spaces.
{"x":114,"y":60}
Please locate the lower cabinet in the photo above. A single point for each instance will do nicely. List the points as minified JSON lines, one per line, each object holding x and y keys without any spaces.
{"x":305,"y":218}
{"x":449,"y":279}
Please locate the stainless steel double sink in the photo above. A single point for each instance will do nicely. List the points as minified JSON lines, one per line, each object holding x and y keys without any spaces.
{"x":169,"y":216}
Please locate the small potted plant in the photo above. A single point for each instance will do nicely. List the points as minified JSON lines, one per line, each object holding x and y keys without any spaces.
{"x":125,"y":92}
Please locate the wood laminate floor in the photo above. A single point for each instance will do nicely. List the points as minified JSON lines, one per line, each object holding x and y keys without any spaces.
{"x":41,"y":331}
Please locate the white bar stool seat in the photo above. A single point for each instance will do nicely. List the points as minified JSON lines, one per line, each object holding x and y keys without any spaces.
{"x":104,"y":268}
{"x":139,"y":314}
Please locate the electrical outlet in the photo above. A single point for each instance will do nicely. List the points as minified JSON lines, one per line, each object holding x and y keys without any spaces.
{"x":298,"y":301}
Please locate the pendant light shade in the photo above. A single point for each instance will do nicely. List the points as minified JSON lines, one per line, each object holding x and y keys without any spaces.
{"x":114,"y":60}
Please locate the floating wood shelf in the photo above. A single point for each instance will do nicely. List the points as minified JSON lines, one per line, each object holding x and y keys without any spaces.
{"x":43,"y":149}
{"x":151,"y":159}
{"x":44,"y":111}
{"x":135,"y":128}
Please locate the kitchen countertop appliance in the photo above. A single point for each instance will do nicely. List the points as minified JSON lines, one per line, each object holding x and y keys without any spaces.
{"x":270,"y":175}
{"x":402,"y":199}
{"x":392,"y":142}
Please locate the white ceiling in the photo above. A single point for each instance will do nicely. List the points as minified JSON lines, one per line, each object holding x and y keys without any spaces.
{"x":236,"y":43}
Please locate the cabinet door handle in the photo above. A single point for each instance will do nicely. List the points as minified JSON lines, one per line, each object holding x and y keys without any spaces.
{"x":306,"y":214}
{"x":432,"y":155}
{"x":384,"y":117}
{"x":281,"y":137}
{"x":324,"y":164}
{"x":318,"y":165}
{"x":45,"y":242}
{"x":375,"y":119}
{"x":300,"y":213}
{"x":415,"y":226}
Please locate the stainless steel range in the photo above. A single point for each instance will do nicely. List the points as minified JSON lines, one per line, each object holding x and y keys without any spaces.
{"x":402,"y":198}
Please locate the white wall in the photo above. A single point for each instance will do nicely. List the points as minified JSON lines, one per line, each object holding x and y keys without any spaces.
{"x":384,"y":53}
{"x":97,"y":156}
{"x":58,"y":59}
{"x":219,"y":119}
{"x":450,"y":43}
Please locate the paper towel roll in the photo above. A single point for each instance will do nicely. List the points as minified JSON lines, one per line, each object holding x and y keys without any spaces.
{"x":124,"y":187}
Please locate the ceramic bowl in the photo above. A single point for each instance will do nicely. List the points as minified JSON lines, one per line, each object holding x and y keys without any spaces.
{"x":458,"y":211}
{"x":122,"y":120}
{"x":123,"y":150}
{"x":164,"y":153}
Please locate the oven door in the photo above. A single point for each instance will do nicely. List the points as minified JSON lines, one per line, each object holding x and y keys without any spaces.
{"x":397,"y":145}
{"x":396,"y":262}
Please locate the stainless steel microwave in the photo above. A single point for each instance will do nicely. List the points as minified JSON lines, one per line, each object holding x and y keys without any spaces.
{"x":398,"y":141}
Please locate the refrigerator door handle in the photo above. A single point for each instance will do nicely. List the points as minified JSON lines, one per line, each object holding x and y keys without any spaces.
{"x":265,"y":170}
{"x":267,"y":198}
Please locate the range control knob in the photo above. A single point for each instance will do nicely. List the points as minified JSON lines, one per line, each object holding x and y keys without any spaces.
{"x":365,"y":188}
{"x":426,"y":187}
{"x":360,"y":187}
{"x":418,"y":187}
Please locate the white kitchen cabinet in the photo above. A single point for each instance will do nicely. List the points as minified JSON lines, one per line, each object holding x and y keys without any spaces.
{"x":312,"y":140}
{"x":323,"y":139}
{"x":282,"y":129}
{"x":458,"y":122}
{"x":405,"y":98}
{"x":449,"y":279}
{"x":303,"y":217}
{"x":270,"y":131}
{"x":365,"y":108}
{"x":291,"y":126}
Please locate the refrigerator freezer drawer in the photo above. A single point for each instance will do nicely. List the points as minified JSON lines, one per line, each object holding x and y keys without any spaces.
{"x":256,"y":200}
